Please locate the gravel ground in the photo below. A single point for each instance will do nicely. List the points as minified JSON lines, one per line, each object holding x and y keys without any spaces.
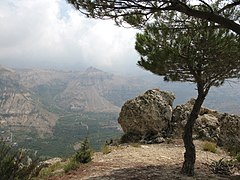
{"x":154,"y":162}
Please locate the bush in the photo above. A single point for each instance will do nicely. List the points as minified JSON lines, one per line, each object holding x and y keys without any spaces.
{"x":209,"y":146}
{"x":83,"y":155}
{"x":71,"y":165}
{"x":16,"y":164}
{"x":106,"y":149}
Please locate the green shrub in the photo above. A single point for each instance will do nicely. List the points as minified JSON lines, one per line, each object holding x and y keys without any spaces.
{"x":209,"y":146}
{"x":232,"y":151}
{"x":106,"y":149}
{"x":84,"y":155}
{"x":16,"y":164}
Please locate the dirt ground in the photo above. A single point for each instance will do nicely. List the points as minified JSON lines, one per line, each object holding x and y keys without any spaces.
{"x":153,"y":162}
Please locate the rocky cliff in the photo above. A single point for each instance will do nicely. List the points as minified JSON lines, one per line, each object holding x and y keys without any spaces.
{"x":85,"y":92}
{"x":19,"y":109}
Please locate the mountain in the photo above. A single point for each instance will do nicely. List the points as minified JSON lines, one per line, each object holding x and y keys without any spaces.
{"x":90,"y":91}
{"x":98,"y":91}
{"x":51,"y":110}
{"x":84,"y":92}
{"x":20,"y":109}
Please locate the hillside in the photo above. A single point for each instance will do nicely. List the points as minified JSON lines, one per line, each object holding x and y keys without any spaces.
{"x":20,"y":110}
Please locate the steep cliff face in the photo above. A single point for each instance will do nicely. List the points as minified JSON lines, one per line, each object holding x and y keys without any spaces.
{"x":95,"y":91}
{"x":20,"y":109}
{"x":83,"y":93}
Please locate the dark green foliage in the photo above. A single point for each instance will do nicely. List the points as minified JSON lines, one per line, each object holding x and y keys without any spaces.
{"x":83,"y":155}
{"x":230,"y":149}
{"x":138,"y":12}
{"x":197,"y":52}
{"x":15,"y":164}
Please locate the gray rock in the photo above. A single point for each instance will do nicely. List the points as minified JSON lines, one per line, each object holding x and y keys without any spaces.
{"x":149,"y":118}
{"x":229,"y":131}
{"x":149,"y":113}
{"x":223,"y":129}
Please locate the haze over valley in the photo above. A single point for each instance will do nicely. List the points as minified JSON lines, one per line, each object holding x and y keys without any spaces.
{"x":52,"y":110}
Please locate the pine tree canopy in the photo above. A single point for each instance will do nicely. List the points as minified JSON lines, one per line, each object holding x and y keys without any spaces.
{"x":189,"y":49}
{"x":225,"y":13}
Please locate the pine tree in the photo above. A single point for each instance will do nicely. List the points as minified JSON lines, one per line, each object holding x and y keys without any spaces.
{"x":187,"y":49}
{"x":83,"y":155}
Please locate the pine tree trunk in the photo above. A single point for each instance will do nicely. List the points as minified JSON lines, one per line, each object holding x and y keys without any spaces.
{"x":190,"y":152}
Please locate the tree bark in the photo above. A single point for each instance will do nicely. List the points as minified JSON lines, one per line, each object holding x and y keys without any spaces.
{"x":190,"y":152}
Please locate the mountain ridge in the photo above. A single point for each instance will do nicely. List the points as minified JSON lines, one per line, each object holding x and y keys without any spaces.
{"x":53,"y":93}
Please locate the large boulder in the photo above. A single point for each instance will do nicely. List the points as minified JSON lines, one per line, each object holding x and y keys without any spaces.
{"x":147,"y":114}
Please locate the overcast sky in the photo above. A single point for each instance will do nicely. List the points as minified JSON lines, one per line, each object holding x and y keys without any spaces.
{"x":48,"y":33}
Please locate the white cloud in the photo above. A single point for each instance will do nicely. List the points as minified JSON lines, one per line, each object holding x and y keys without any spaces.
{"x":51,"y":32}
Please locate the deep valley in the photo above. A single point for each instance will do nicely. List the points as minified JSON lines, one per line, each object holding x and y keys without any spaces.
{"x":51,"y":111}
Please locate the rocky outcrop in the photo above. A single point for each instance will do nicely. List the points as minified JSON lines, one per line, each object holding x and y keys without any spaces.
{"x":206,"y":126}
{"x":224,"y":129}
{"x":229,"y":135}
{"x":149,"y":118}
{"x":146,"y":114}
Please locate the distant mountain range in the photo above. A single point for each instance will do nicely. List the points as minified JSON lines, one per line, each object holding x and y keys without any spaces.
{"x":37,"y":98}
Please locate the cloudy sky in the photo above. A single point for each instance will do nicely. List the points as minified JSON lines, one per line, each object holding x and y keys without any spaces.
{"x":50,"y":33}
